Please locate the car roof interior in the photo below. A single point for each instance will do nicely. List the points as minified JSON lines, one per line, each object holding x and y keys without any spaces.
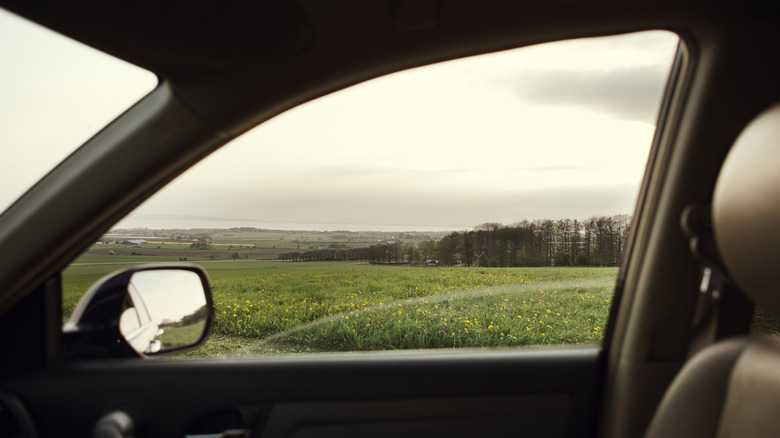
{"x":226,"y":67}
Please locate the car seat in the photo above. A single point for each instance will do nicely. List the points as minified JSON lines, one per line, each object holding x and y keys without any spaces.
{"x":732,"y":388}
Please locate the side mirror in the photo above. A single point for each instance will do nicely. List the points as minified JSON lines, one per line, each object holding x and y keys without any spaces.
{"x":142,"y":311}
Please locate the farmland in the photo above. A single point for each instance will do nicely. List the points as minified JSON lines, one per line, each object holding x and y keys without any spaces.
{"x":222,"y":244}
{"x":276,"y":307}
{"x":265,"y":306}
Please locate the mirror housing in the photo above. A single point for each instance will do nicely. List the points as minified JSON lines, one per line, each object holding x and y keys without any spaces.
{"x":142,"y":311}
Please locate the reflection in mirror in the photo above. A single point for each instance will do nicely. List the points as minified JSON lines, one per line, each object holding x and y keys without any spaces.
{"x":165,"y":309}
{"x":129,"y":321}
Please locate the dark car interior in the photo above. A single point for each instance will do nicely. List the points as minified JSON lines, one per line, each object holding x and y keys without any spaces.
{"x":677,"y":359}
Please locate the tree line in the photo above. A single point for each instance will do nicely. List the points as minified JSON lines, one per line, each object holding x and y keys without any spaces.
{"x":598,"y":241}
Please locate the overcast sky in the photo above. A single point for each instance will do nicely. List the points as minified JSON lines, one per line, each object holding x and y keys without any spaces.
{"x":551,"y":131}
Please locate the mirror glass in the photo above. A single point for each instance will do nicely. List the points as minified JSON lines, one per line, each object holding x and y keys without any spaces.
{"x":165,"y":309}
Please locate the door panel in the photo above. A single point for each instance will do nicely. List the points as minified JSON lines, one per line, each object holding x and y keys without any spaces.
{"x":541,"y":392}
{"x":534,"y":415}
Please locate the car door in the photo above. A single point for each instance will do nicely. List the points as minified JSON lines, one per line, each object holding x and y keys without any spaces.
{"x":208,"y":96}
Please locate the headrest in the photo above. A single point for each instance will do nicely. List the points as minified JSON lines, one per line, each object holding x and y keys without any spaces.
{"x":746,"y":210}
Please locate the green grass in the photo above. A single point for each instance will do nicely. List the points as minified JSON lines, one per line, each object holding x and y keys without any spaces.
{"x":278,"y":308}
{"x":765,"y":323}
{"x":175,"y":337}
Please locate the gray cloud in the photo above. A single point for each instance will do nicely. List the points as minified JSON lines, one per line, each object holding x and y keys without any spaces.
{"x":629,"y":93}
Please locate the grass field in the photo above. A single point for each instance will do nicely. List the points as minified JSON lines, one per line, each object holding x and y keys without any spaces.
{"x":282,"y":308}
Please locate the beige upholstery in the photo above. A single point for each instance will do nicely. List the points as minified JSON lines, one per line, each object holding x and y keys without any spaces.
{"x":729,"y":390}
{"x":732,"y":389}
{"x":752,"y":407}
{"x":746,"y":210}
